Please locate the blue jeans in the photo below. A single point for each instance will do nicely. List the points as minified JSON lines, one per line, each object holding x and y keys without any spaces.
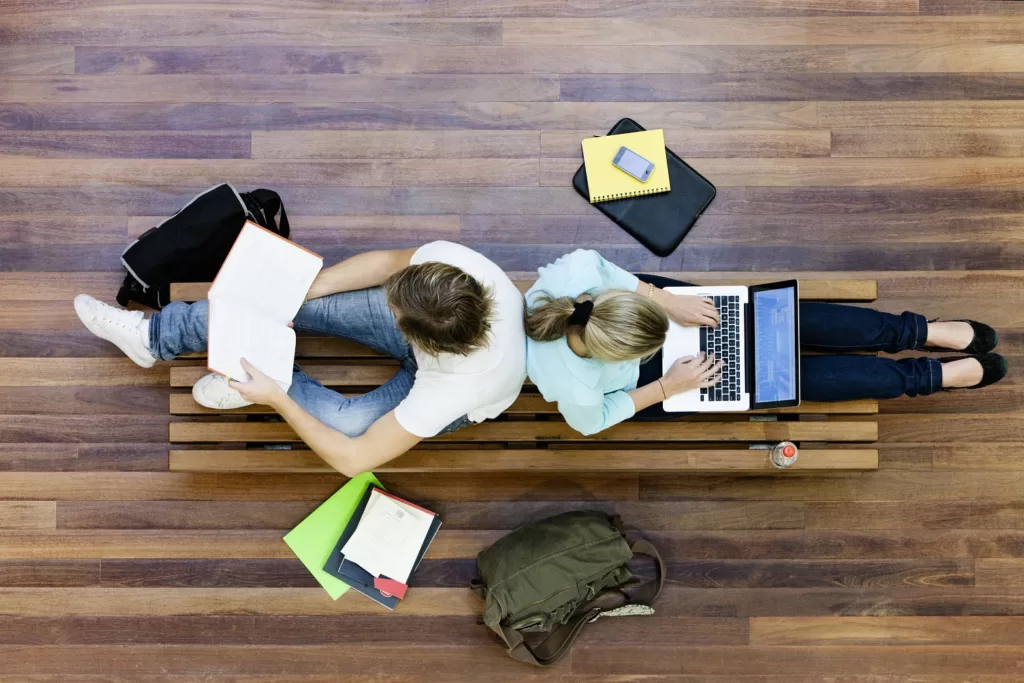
{"x":362,"y":316}
{"x":834,"y":328}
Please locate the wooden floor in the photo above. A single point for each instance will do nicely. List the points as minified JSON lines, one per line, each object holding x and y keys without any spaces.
{"x":884,"y":136}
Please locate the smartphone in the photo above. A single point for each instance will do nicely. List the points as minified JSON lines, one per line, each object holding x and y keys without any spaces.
{"x":632,"y":163}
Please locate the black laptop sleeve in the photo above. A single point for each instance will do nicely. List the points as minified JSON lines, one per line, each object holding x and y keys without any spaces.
{"x":657,"y":221}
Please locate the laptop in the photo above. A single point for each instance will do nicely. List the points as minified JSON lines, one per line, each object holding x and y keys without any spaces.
{"x":758,"y":339}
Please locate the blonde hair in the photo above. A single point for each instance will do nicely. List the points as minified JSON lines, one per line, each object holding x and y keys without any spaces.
{"x":440,"y":308}
{"x":622,"y":326}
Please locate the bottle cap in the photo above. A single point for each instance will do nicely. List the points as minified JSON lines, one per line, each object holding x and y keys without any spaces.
{"x":789,"y":451}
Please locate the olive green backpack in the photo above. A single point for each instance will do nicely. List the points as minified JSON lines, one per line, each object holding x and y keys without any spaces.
{"x":544,"y":582}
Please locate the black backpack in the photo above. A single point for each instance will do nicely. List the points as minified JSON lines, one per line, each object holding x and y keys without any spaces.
{"x":191,"y":245}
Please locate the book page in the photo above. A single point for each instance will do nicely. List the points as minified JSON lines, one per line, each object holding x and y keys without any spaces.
{"x":238,"y":331}
{"x":268,"y":272}
{"x":388,"y":538}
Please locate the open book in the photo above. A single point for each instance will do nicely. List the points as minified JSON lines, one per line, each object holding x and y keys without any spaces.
{"x":256,"y":294}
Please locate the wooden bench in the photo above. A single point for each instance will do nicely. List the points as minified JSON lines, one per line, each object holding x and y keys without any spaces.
{"x":531,"y":436}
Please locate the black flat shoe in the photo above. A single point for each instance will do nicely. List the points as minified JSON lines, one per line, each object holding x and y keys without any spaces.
{"x":985,"y":339}
{"x":993,"y":368}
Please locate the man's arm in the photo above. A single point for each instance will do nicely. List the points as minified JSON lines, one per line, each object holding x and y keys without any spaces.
{"x":385,"y":440}
{"x":361,"y":271}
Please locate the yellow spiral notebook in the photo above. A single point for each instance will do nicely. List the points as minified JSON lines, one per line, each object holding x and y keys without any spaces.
{"x":606,"y":182}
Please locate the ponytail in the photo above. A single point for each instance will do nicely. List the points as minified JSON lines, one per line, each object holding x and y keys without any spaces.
{"x":622,"y":326}
{"x":549,"y":319}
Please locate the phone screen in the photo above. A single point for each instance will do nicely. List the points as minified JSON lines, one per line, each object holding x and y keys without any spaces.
{"x":633,"y":164}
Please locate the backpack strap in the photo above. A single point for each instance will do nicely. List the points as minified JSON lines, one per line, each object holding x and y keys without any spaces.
{"x":271,"y":204}
{"x":558,"y":640}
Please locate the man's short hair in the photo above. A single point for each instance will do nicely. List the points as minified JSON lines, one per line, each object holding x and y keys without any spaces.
{"x":440,"y":308}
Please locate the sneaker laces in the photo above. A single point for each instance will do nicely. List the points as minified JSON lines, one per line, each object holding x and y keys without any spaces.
{"x":121,"y":318}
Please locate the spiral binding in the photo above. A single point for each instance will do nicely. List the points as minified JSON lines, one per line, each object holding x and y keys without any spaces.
{"x":631,"y":193}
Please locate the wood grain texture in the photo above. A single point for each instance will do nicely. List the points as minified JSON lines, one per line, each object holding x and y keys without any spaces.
{"x":733,"y":461}
{"x":881,"y":630}
{"x":28,"y":515}
{"x":870,"y":148}
{"x":534,"y":404}
{"x":243,"y":88}
{"x":200,"y":432}
{"x":849,"y":30}
{"x":564,"y":58}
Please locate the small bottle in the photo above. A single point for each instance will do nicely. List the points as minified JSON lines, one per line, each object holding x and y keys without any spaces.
{"x":784,"y":454}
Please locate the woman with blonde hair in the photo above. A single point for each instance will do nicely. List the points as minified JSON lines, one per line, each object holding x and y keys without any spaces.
{"x":595,"y":332}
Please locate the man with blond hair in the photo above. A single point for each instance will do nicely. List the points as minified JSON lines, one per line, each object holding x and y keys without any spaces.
{"x":451,"y":317}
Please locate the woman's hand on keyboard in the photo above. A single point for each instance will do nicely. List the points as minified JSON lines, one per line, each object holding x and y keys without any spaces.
{"x":692,"y":372}
{"x":688,"y":310}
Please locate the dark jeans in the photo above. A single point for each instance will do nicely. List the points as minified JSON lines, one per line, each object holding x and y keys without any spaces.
{"x":835,"y":377}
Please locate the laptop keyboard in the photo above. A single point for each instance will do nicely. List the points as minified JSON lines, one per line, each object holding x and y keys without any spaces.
{"x":724,"y":342}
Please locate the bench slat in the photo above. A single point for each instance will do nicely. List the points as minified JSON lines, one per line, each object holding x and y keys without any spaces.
{"x":811,"y":287}
{"x":277,"y":432}
{"x":534,"y":404}
{"x":732,"y":461}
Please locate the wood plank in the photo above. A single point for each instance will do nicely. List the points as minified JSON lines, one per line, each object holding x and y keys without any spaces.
{"x":37,"y":60}
{"x":884,"y":486}
{"x":226,"y":660}
{"x":28,"y":286}
{"x":28,"y":515}
{"x":915,"y":428}
{"x":270,"y":89}
{"x":60,"y":573}
{"x":828,"y":602}
{"x":560,"y":58}
{"x":534,"y":404}
{"x":78,"y":429}
{"x":837,"y":172}
{"x":733,"y":461}
{"x":249,"y":116}
{"x":58,"y":457}
{"x":843,"y":631}
{"x":1000,"y":572}
{"x":205,"y":573}
{"x":265,"y":630}
{"x":57,"y":372}
{"x":740,"y":661}
{"x":285,"y":515}
{"x":845,"y":30}
{"x":141,"y":602}
{"x":931,"y":114}
{"x":207,"y":25}
{"x":351,"y":173}
{"x":193,"y":544}
{"x":794,"y":574}
{"x":126,"y":145}
{"x":927,"y":142}
{"x":709,"y":143}
{"x":394,"y":144}
{"x":200,"y":432}
{"x":146,"y":486}
{"x":813,"y":286}
{"x":761,"y":87}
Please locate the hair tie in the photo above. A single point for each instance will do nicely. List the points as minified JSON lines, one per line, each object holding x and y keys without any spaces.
{"x":581,"y":311}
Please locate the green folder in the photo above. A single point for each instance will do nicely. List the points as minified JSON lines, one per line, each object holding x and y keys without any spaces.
{"x":314,"y":538}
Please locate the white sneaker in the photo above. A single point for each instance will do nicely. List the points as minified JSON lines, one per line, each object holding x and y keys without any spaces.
{"x":123,"y":329}
{"x":212,"y":391}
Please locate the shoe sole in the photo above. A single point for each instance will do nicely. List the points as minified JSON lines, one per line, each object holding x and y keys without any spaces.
{"x":198,"y":398}
{"x":85,"y":316}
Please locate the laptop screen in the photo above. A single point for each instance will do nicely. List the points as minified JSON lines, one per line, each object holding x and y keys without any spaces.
{"x":775,"y":352}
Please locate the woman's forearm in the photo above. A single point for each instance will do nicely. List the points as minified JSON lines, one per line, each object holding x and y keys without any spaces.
{"x":647,"y":395}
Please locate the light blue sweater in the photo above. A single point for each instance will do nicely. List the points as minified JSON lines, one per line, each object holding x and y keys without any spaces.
{"x":590,"y":394}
